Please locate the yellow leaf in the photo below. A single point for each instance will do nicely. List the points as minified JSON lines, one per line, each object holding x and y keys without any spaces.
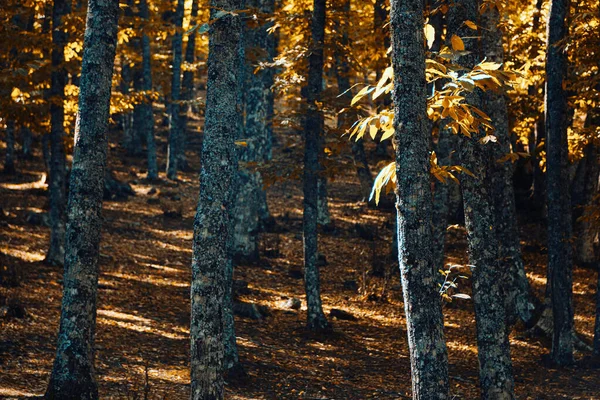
{"x":457,"y":43}
{"x":471,"y":24}
{"x":360,"y":95}
{"x":429,"y":35}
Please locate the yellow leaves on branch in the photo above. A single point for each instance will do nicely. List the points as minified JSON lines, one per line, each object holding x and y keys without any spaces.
{"x":386,"y":179}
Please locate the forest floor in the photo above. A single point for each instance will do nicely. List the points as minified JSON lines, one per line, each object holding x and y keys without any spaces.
{"x":143,"y":307}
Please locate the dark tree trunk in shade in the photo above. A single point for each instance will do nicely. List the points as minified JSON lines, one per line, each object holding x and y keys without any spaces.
{"x":146,"y":124}
{"x":422,"y":303}
{"x":495,"y":366}
{"x":381,"y":30}
{"x":519,"y":301}
{"x":187,"y":83}
{"x":560,"y":259}
{"x":584,"y":189}
{"x":73,"y":375}
{"x":596,"y":351}
{"x":130,"y":141}
{"x":175,"y":149}
{"x":27,"y":141}
{"x":441,"y":199}
{"x":58,"y":168}
{"x":345,"y":120}
{"x":251,"y":206}
{"x":313,"y":125}
{"x":212,"y":226}
{"x":9,"y":158}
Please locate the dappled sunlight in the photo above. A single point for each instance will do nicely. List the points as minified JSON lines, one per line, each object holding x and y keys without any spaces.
{"x":179,"y":375}
{"x":4,"y":391}
{"x":25,"y":255}
{"x":140,"y":328}
{"x":39,"y":184}
{"x":153,"y":280}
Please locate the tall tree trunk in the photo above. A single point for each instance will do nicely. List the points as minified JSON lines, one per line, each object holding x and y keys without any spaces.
{"x":345,"y":120}
{"x":187,"y":85}
{"x":212,"y":227}
{"x":313,"y":125}
{"x":441,"y":199}
{"x":146,"y":125}
{"x":58,"y":169}
{"x":518,"y":300}
{"x":73,"y":375}
{"x":175,"y":133}
{"x":129,"y":140}
{"x":251,"y":206}
{"x":596,"y":351}
{"x":381,"y":30}
{"x":27,"y":141}
{"x":9,"y":159}
{"x":560,"y":259}
{"x":422,"y":303}
{"x":495,"y":366}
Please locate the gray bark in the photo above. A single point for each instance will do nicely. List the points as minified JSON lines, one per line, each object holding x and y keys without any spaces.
{"x":175,"y":149}
{"x":495,"y":366}
{"x":9,"y":159}
{"x":313,"y":126}
{"x":596,"y":350}
{"x":251,"y":206}
{"x":212,"y":227}
{"x":187,"y":85}
{"x":441,"y":200}
{"x":560,"y":259}
{"x":422,"y":303}
{"x":345,"y":120}
{"x":58,"y":169}
{"x":27,"y":141}
{"x":130,"y":141}
{"x":146,"y":125}
{"x":73,"y":375}
{"x":519,"y":301}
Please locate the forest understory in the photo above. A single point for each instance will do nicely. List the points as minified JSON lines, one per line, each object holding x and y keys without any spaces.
{"x":142,"y":338}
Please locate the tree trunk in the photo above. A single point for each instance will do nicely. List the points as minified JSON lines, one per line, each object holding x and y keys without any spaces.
{"x":596,"y":351}
{"x":518,"y":300}
{"x":175,"y":149}
{"x":441,"y":200}
{"x":58,"y":169}
{"x":9,"y":160}
{"x":146,"y":125}
{"x":27,"y":140}
{"x":73,"y":375}
{"x":313,"y":125}
{"x":212,"y":227}
{"x":560,"y":262}
{"x":422,"y":303}
{"x":345,"y":120}
{"x":187,"y":85}
{"x":251,"y":207}
{"x":130,"y":141}
{"x":495,"y":366}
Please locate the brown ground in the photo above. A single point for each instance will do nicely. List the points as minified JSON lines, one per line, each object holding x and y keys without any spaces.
{"x":143,"y":309}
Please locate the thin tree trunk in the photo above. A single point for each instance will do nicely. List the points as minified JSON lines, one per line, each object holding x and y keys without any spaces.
{"x":58,"y":169}
{"x":174,"y":151}
{"x":129,"y":135}
{"x":187,"y":85}
{"x":560,"y":262}
{"x":422,"y":303}
{"x":212,"y":227}
{"x":313,"y":125}
{"x":73,"y":375}
{"x":345,"y":120}
{"x":251,"y":207}
{"x":9,"y":159}
{"x":27,"y":141}
{"x":495,"y":366}
{"x":146,"y":125}
{"x":518,"y":300}
{"x":441,"y":200}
